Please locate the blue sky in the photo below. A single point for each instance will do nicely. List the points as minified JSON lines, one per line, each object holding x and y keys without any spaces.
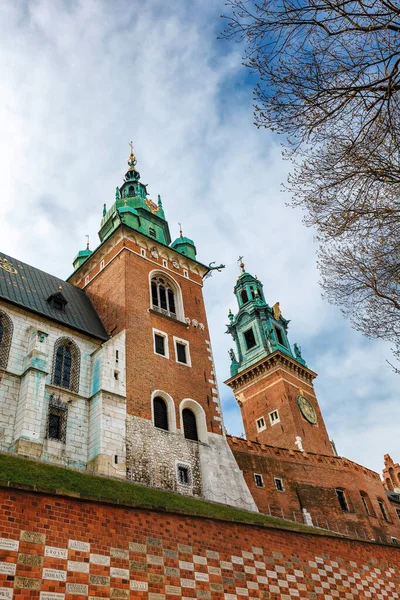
{"x":79,"y":81}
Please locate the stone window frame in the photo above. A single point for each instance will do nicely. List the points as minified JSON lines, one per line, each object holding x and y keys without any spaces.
{"x":5,"y":344}
{"x":166,"y":343}
{"x":171,"y":412}
{"x":185,"y":343}
{"x":75,"y":364}
{"x":274,"y":421}
{"x":255,"y":475}
{"x":59,"y":408}
{"x":369,"y":509}
{"x":200,"y":415}
{"x":261,"y":427}
{"x":179,"y":314}
{"x":282,"y":489}
{"x":384,"y":513}
{"x":188,"y":468}
{"x":342,"y":499}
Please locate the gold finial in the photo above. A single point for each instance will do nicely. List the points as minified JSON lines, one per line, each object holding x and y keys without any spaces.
{"x":241,"y":263}
{"x":180,"y":229}
{"x":132,"y":158}
{"x":87,"y":241}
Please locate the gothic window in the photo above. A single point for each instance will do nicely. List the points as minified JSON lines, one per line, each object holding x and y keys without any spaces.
{"x":160,"y":413}
{"x":367,"y":504}
{"x":131,"y":191}
{"x":342,"y":500}
{"x":66,"y":365}
{"x":383,"y":509}
{"x":189,"y":424}
{"x":244,"y":296}
{"x":250,"y":339}
{"x":6,"y":332}
{"x":163,"y":297}
{"x":57,"y":420}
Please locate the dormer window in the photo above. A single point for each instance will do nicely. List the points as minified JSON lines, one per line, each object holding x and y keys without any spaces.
{"x":279,"y":336}
{"x":57,"y":301}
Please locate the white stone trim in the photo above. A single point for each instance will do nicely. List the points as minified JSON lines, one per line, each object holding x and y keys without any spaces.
{"x":185,"y":343}
{"x":170,"y":409}
{"x":274,"y":421}
{"x":200,"y":418}
{"x":263,"y":426}
{"x":166,"y":345}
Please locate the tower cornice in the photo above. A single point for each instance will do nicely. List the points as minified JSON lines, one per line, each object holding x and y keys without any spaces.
{"x":276,"y":360}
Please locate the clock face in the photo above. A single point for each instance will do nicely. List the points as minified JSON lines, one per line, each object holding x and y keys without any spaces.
{"x":306,"y":409}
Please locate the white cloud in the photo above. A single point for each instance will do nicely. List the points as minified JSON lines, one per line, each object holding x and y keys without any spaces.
{"x":80,"y":79}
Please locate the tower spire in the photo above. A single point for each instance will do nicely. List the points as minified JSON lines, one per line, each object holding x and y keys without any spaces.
{"x":132,"y":158}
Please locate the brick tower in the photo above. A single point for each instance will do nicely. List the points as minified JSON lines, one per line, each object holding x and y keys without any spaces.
{"x":272,"y":384}
{"x":148,"y":293}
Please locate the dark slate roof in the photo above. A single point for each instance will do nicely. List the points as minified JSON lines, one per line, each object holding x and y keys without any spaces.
{"x":393,"y":497}
{"x":30,"y":288}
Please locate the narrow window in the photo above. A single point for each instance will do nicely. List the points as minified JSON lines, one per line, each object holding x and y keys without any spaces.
{"x":252,"y":291}
{"x":274,"y":417}
{"x":131,"y":191}
{"x":116,"y":356}
{"x":159,"y":341}
{"x":115,"y":459}
{"x":367,"y":504}
{"x":279,"y":336}
{"x":258,"y":480}
{"x":160,"y":413}
{"x":342,"y":500}
{"x":261,"y":424}
{"x":142,"y":252}
{"x":171,"y":301}
{"x":398,"y":513}
{"x":66,"y":364}
{"x":244,"y":296}
{"x":54,"y":427}
{"x":154,"y":294}
{"x":164,"y":263}
{"x":163,"y":297}
{"x":6,"y":332}
{"x":249,"y":339}
{"x":152,"y":232}
{"x":181,"y":352}
{"x":57,"y":419}
{"x":184,"y":475}
{"x":383,"y":509}
{"x":101,"y":265}
{"x":189,"y":424}
{"x":185,"y":273}
{"x":116,"y":375}
{"x":394,"y":541}
{"x":278,"y":484}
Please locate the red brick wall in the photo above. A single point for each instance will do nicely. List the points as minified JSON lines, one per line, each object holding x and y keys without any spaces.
{"x":309,"y":482}
{"x":115,"y":552}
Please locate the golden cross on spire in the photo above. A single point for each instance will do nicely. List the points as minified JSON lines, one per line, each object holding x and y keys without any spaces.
{"x":131,"y":145}
{"x":87,"y":243}
{"x":180,"y":229}
{"x":241,"y":263}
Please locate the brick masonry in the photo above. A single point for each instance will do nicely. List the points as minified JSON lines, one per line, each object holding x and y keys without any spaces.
{"x":57,"y":548}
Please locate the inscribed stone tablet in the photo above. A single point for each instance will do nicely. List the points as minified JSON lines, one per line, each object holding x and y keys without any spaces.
{"x":54,"y":574}
{"x":133,"y":547}
{"x":77,"y":589}
{"x":99,"y":580}
{"x":56,"y":552}
{"x":118,"y":593}
{"x":11,"y":545}
{"x":200,"y":560}
{"x":186,"y":566}
{"x":118,"y":553}
{"x":172,"y":572}
{"x":214,"y":570}
{"x":6,"y":593}
{"x":154,"y":542}
{"x":173,"y":590}
{"x":203,"y":594}
{"x":33,"y":537}
{"x":238,"y":560}
{"x":100,"y":559}
{"x":137,"y":566}
{"x":51,"y":596}
{"x":226,"y":565}
{"x":7,"y":568}
{"x":171,"y":554}
{"x":154,"y":596}
{"x":154,"y":578}
{"x":139,"y":585}
{"x":121,"y":573}
{"x":216,"y":587}
{"x":78,"y":545}
{"x":155,"y":560}
{"x":27,"y":583}
{"x":78,"y":567}
{"x":33,"y":560}
{"x":201,"y":576}
{"x":213,"y":555}
{"x":185,"y":549}
{"x":188,"y":583}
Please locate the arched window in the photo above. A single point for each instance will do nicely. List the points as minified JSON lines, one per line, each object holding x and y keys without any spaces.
{"x":131,"y":191}
{"x":6,"y":332}
{"x":367,"y":504}
{"x":66,"y":364}
{"x":160,"y":413}
{"x":189,"y":424}
{"x":163,"y":297}
{"x":244,"y":296}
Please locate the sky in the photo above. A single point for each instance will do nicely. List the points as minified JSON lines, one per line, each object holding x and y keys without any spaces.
{"x":80,"y":79}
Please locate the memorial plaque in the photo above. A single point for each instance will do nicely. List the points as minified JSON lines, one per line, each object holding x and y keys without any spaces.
{"x":226,"y":565}
{"x":78,"y":545}
{"x":230,"y":597}
{"x":171,"y":554}
{"x":116,"y":593}
{"x":201,"y":576}
{"x":118,"y":553}
{"x":172,"y":572}
{"x":139,"y":585}
{"x":100,"y":559}
{"x":33,"y":537}
{"x":99,"y":580}
{"x":141,"y":548}
{"x":51,"y":596}
{"x":216,"y":587}
{"x":213,"y":555}
{"x":77,"y":589}
{"x":78,"y":567}
{"x":184,"y":549}
{"x":27,"y":583}
{"x":32,"y":560}
{"x":156,"y":596}
{"x":200,"y":560}
{"x":137,"y":566}
{"x":228,"y":581}
{"x":188,"y":583}
{"x":154,"y":542}
{"x":56,"y":552}
{"x":7,"y":544}
{"x":155,"y":578}
{"x":155,"y":560}
{"x":186,"y":566}
{"x":54,"y":574}
{"x":7,"y":568}
{"x":6,"y":593}
{"x":203,"y":594}
{"x":238,"y":560}
{"x":242,"y":591}
{"x":121,"y":573}
{"x":248,"y":555}
{"x":214,"y":570}
{"x":173,"y":590}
